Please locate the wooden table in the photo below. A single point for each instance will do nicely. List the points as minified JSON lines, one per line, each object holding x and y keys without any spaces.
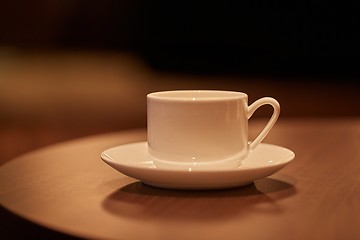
{"x":67,"y":188}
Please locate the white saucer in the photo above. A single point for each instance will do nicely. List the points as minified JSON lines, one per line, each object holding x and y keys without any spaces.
{"x":133,"y":161}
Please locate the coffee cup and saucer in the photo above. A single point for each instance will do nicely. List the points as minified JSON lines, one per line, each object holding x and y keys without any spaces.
{"x":198,"y":139}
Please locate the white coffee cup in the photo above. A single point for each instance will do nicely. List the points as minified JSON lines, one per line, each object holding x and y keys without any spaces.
{"x":202,"y":129}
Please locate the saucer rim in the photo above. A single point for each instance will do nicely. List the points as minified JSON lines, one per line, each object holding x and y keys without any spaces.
{"x":151,"y":166}
{"x":146,"y":171}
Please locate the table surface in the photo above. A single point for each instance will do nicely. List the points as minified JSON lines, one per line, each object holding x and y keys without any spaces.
{"x":66,"y":187}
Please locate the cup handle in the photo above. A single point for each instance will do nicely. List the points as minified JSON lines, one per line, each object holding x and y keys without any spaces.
{"x":253,"y":107}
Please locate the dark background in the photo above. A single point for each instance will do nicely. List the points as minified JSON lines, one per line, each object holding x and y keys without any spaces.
{"x":241,"y":37}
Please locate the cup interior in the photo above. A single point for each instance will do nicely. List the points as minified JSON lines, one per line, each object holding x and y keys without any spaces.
{"x":196,"y":95}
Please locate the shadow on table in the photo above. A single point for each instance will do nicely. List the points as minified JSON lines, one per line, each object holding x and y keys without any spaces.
{"x":16,"y":227}
{"x":143,"y":202}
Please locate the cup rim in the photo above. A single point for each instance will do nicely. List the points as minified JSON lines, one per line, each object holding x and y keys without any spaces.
{"x":196,"y":95}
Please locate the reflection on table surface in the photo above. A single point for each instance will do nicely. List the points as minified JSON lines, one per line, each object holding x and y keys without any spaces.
{"x":305,"y":198}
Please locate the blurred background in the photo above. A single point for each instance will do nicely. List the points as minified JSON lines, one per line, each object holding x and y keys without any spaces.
{"x":81,"y":67}
{"x":75,"y":68}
